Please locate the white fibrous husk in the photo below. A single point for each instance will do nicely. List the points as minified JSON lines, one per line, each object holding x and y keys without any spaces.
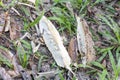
{"x":54,"y":43}
{"x":85,"y":42}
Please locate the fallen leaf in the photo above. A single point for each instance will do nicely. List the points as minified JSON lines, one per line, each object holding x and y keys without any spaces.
{"x":7,"y":22}
{"x":10,"y":57}
{"x":46,"y":74}
{"x":4,"y":75}
{"x":14,"y":30}
{"x":72,"y":49}
{"x":33,"y":1}
{"x":85,"y":42}
{"x":4,"y":22}
{"x":12,"y":73}
{"x":35,"y":47}
{"x":54,"y":43}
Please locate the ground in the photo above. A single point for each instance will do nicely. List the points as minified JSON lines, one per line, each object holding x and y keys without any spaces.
{"x":24,"y":54}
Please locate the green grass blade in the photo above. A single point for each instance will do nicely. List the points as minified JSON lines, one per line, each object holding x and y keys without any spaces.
{"x":61,"y":76}
{"x":56,"y":19}
{"x":84,"y":5}
{"x":112,"y":60}
{"x":104,"y":19}
{"x":116,"y":28}
{"x":102,"y":56}
{"x":5,"y":61}
{"x":97,"y":64}
{"x":35,"y":21}
{"x":102,"y":76}
{"x":117,"y":53}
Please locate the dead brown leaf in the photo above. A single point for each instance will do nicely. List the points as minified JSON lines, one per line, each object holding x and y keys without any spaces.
{"x":72,"y":49}
{"x":14,"y":30}
{"x":90,"y":50}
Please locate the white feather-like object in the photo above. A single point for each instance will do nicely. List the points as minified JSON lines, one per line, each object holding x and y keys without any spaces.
{"x":54,"y":43}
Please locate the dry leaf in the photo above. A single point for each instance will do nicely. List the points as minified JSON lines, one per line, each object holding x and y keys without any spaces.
{"x":7,"y":22}
{"x":9,"y":56}
{"x":4,"y":22}
{"x":72,"y":49}
{"x":15,"y":11}
{"x":33,"y":1}
{"x":34,"y":47}
{"x":85,"y":42}
{"x":12,"y":73}
{"x":14,"y":30}
{"x":54,"y":43}
{"x":4,"y":74}
{"x":46,"y":74}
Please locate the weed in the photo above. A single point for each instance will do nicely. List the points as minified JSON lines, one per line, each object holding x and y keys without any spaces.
{"x":24,"y":50}
{"x":63,"y":18}
{"x":114,"y":27}
{"x":113,"y":51}
{"x":1,"y":3}
{"x":41,"y":59}
{"x":4,"y":58}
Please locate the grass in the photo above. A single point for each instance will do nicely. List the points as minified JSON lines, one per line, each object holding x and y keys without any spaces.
{"x":4,"y":58}
{"x":63,"y":19}
{"x":112,"y":50}
{"x":24,"y":50}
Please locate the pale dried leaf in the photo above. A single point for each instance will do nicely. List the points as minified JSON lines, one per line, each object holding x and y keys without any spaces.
{"x":4,"y":22}
{"x":7,"y":27}
{"x":25,"y":4}
{"x":85,"y":42}
{"x":81,"y":40}
{"x":34,"y":47}
{"x":81,"y":36}
{"x":46,"y":74}
{"x":4,"y":74}
{"x":90,"y":44}
{"x":33,"y":1}
{"x":12,"y":73}
{"x":15,"y":11}
{"x":54,"y":43}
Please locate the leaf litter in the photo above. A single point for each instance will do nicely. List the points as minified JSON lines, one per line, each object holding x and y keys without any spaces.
{"x":54,"y":43}
{"x":85,"y":42}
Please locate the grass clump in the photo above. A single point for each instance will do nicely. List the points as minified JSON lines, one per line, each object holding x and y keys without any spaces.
{"x":111,"y":52}
{"x":24,"y":50}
